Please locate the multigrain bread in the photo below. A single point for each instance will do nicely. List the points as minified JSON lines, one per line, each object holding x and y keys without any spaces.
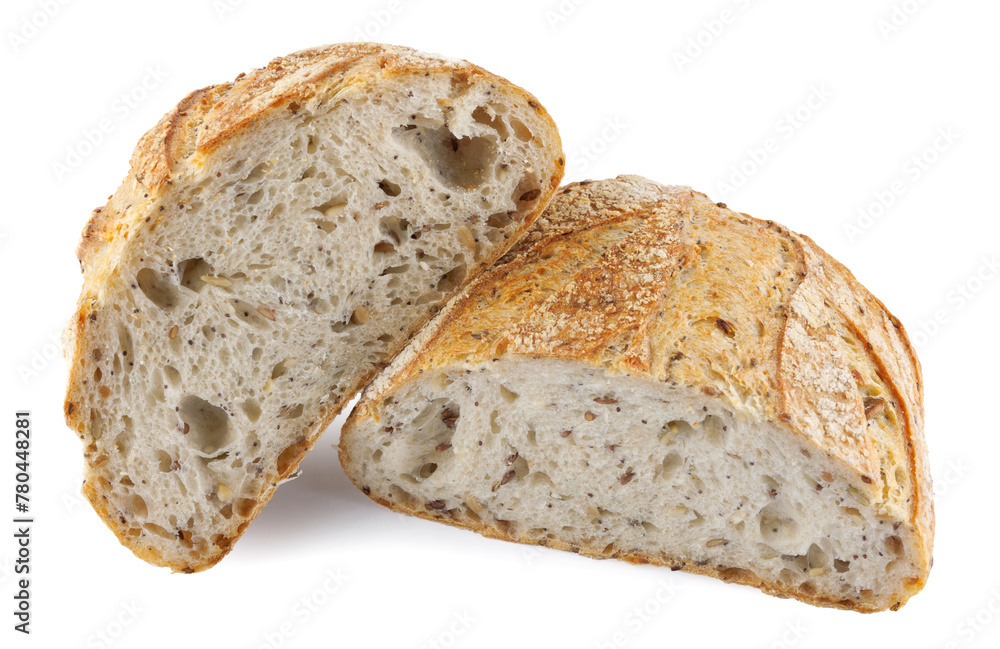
{"x":276,"y":242}
{"x":652,"y":377}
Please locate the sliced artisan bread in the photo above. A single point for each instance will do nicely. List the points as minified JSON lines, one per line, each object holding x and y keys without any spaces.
{"x":277,"y":241}
{"x":650,"y":376}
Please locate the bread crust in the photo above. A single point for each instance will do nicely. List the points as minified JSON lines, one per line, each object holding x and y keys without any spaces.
{"x":181,"y":144}
{"x":608,"y":277}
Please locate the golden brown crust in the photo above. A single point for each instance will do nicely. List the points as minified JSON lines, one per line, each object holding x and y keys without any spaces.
{"x":660,"y":283}
{"x":182,"y":142}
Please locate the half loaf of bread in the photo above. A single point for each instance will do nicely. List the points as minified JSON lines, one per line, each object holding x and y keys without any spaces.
{"x":276,"y":242}
{"x":652,"y":377}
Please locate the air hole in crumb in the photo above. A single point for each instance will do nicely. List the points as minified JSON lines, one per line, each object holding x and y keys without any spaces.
{"x":256,"y":315}
{"x":125,"y":345}
{"x":777,"y":528}
{"x":138,"y":506}
{"x":172,"y":375}
{"x":527,"y":191}
{"x":853,"y":512}
{"x":482,"y":116}
{"x":788,"y":577}
{"x":244,"y":507}
{"x":159,"y":531}
{"x":539,"y":479}
{"x":251,"y":408}
{"x":208,"y":426}
{"x":281,"y":368}
{"x":164,"y":460}
{"x":521,"y":131}
{"x":319,"y":305}
{"x":452,"y":279}
{"x":650,"y":528}
{"x":124,"y":440}
{"x":324,"y":225}
{"x":96,"y":425}
{"x":159,"y":289}
{"x":257,"y":173}
{"x":674,"y":429}
{"x":427,"y":298}
{"x":394,"y":270}
{"x":771,"y":485}
{"x":816,"y":557}
{"x":388,"y":187}
{"x":458,"y":162}
{"x":499,"y":220}
{"x":291,"y":412}
{"x":671,"y":463}
{"x":520,"y":467}
{"x":401,"y":496}
{"x":191,"y":271}
{"x":393,"y":228}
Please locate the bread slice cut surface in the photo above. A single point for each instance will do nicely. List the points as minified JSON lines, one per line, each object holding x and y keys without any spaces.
{"x":276,"y":242}
{"x":652,"y":377}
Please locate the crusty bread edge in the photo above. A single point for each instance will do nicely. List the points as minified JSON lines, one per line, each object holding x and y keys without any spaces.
{"x":164,"y":153}
{"x":731,"y":575}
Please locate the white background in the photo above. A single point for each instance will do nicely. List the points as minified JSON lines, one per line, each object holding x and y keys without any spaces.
{"x":881,"y":114}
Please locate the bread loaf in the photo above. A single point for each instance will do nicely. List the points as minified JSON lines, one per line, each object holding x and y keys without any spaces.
{"x":276,"y":241}
{"x":653,"y":377}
